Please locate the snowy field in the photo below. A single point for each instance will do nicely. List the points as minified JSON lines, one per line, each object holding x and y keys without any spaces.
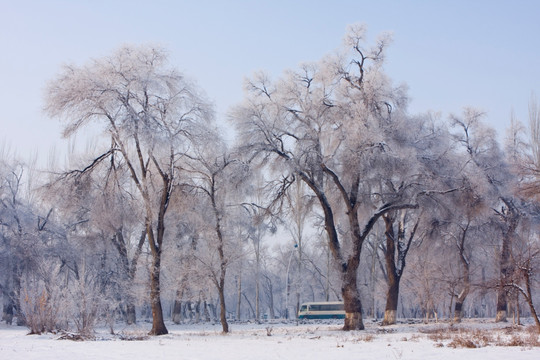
{"x":278,"y":340}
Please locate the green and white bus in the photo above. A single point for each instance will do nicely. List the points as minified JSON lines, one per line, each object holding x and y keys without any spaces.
{"x":322,"y":310}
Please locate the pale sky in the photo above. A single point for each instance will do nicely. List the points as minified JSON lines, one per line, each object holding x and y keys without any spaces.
{"x":452,"y":54}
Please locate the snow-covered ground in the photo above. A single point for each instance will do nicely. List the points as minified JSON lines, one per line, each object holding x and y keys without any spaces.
{"x":277,"y":340}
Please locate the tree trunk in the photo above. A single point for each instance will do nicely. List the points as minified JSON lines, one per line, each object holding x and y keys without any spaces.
{"x":158,"y":323}
{"x":131,"y":314}
{"x":392,"y":295}
{"x":393,"y":278}
{"x":464,"y":262}
{"x":220,"y":283}
{"x":271,"y":305}
{"x":529,"y":294}
{"x":501,"y":306}
{"x":458,"y":310}
{"x":353,"y":305}
{"x":205,"y":311}
{"x":129,"y":271}
{"x":502,"y":296}
{"x":7,"y":309}
{"x":460,"y":299}
{"x":221,"y":288}
{"x":257,"y":285}
{"x":239,"y":296}
{"x":223,"y":309}
{"x":177,"y":308}
{"x":511,"y":219}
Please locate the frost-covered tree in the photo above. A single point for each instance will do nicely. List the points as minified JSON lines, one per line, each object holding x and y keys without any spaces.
{"x":215,"y":175}
{"x":15,"y":244}
{"x":300,"y":204}
{"x":112,"y":220}
{"x":523,"y":153}
{"x":24,"y":232}
{"x":419,"y":169}
{"x":326,"y":125}
{"x":486,"y":161}
{"x":257,"y":224}
{"x":151,"y":114}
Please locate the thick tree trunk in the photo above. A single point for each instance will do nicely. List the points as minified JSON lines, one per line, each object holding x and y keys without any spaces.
{"x":501,"y":315}
{"x":158,"y":323}
{"x":351,"y":300}
{"x":458,"y":310}
{"x":349,"y":268}
{"x":392,"y":295}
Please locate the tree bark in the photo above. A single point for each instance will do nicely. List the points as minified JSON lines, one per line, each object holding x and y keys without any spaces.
{"x":395,"y":261}
{"x":510,"y":217}
{"x":460,"y":298}
{"x":158,"y":323}
{"x":502,"y":296}
{"x":129,"y":271}
{"x":351,"y":300}
{"x":7,"y":309}
{"x":238,"y":296}
{"x":177,"y":308}
{"x":392,"y":296}
{"x":222,"y":308}
{"x":528,"y":296}
{"x":131,"y":313}
{"x":393,"y":277}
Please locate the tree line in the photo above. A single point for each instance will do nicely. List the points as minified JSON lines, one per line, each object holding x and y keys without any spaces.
{"x":330,"y":190}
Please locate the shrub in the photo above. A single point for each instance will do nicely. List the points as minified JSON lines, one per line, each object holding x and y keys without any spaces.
{"x":39,"y":310}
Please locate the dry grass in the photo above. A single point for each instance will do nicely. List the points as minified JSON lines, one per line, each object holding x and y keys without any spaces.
{"x":134,"y":335}
{"x":460,"y":342}
{"x":367,"y":338}
{"x":476,"y":338}
{"x":75,"y":337}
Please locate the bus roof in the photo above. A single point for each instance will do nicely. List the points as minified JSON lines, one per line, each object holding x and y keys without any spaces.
{"x":322,"y":302}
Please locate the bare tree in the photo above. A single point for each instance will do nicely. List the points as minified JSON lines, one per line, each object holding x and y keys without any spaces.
{"x":151,"y":113}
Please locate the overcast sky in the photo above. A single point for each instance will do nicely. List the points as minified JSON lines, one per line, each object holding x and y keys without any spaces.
{"x":451,"y":54}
